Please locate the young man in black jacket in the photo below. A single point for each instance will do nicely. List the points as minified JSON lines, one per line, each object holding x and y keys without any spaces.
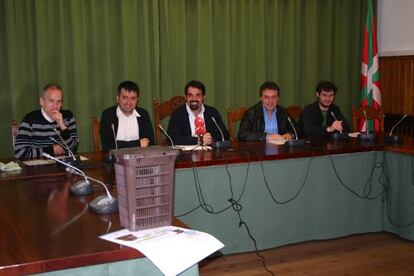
{"x":322,"y":117}
{"x":266,"y":120}
{"x":126,"y":125}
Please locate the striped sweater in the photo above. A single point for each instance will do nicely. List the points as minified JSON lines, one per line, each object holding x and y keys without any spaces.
{"x":33,"y":137}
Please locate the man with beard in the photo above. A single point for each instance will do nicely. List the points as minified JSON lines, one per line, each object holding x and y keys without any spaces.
{"x":126,"y":124}
{"x":322,"y":118}
{"x":193,"y":123}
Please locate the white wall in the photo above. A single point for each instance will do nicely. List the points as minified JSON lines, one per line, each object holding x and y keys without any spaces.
{"x":395,"y":20}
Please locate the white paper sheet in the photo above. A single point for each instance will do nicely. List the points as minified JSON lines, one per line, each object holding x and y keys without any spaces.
{"x":353,"y":134}
{"x":277,"y":142}
{"x":192,"y":147}
{"x":37,"y":162}
{"x":171,"y":249}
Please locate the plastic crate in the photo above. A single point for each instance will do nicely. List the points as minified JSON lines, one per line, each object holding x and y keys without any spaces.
{"x":145,"y":185}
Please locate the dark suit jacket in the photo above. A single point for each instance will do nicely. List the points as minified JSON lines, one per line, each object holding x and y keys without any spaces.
{"x":252,"y":126}
{"x":180,"y":130}
{"x":311,"y":120}
{"x":109,"y":117}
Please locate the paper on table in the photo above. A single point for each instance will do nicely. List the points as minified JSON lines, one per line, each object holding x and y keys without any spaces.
{"x":11,"y":166}
{"x":353,"y":134}
{"x":36,"y":162}
{"x":171,"y":249}
{"x":192,"y":147}
{"x":277,"y":142}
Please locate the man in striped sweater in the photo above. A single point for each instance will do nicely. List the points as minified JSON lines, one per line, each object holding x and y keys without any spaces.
{"x":48,"y":129}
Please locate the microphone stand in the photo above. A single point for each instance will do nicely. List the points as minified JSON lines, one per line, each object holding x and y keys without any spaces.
{"x":80,"y":188}
{"x":338,"y":135}
{"x":75,"y":160}
{"x":104,"y":204}
{"x":366,"y":136}
{"x":166,"y":135}
{"x":223,"y":144}
{"x":294,"y":142}
{"x":394,"y":139}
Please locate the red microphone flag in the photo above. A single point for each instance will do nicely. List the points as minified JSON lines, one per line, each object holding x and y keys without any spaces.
{"x":200,"y":127}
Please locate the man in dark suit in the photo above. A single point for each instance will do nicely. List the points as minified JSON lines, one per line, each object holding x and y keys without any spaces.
{"x":322,"y":117}
{"x":193,"y":123}
{"x":126,"y":124}
{"x":266,"y":120}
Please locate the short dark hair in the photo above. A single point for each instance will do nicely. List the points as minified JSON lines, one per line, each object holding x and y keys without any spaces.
{"x":52,"y":86}
{"x":196,"y":84}
{"x":128,"y":86}
{"x":326,"y":86}
{"x":269,"y":85}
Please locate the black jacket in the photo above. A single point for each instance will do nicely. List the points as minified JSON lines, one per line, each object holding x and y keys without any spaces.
{"x":311,"y":120}
{"x":180,"y":130}
{"x":109,"y":117}
{"x":252,"y":126}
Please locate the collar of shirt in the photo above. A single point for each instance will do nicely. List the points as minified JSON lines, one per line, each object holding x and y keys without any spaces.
{"x":270,"y":123}
{"x":191,"y":118}
{"x":50,"y":120}
{"x":128,"y":129}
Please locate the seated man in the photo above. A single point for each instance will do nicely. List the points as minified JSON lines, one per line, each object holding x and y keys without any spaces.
{"x":322,"y":118}
{"x":126,"y":125}
{"x":49,"y":129}
{"x":266,"y":120}
{"x":187,"y":121}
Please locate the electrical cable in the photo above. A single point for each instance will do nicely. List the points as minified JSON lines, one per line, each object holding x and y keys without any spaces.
{"x":388,"y":199}
{"x":297,"y":192}
{"x":368,"y":184}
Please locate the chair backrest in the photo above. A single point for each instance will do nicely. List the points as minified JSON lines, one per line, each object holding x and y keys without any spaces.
{"x":372,"y":113}
{"x":14,"y":130}
{"x":294,"y":111}
{"x":96,"y":127}
{"x":234,"y":116}
{"x":164,"y":110}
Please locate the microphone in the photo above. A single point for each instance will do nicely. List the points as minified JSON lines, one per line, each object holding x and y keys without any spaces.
{"x":294,"y":142}
{"x":366,"y":136}
{"x":80,"y":188}
{"x":200,"y":128}
{"x":223,"y":144}
{"x":336,"y":135}
{"x":74,"y":161}
{"x":114,"y":135}
{"x":166,"y":134}
{"x":104,"y":204}
{"x":111,"y":155}
{"x":394,"y":139}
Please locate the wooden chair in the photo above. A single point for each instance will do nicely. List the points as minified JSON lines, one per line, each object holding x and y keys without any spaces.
{"x":96,"y":127}
{"x":372,"y":113}
{"x":233,"y":117}
{"x":294,"y":111}
{"x":164,"y":110}
{"x":14,"y":130}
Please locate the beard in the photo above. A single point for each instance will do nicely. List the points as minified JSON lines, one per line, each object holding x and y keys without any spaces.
{"x":194,"y":105}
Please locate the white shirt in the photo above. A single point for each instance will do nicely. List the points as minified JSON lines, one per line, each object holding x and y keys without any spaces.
{"x":50,"y":120}
{"x":128,"y":129}
{"x":191,"y":118}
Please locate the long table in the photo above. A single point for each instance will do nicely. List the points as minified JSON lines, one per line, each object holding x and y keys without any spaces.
{"x":45,"y":229}
{"x":283,"y":195}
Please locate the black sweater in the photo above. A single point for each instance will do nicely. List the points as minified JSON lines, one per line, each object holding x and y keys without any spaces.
{"x":35,"y":132}
{"x":109,"y":117}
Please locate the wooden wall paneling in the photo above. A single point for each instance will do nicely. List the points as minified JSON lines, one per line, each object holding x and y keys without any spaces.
{"x":397,"y":84}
